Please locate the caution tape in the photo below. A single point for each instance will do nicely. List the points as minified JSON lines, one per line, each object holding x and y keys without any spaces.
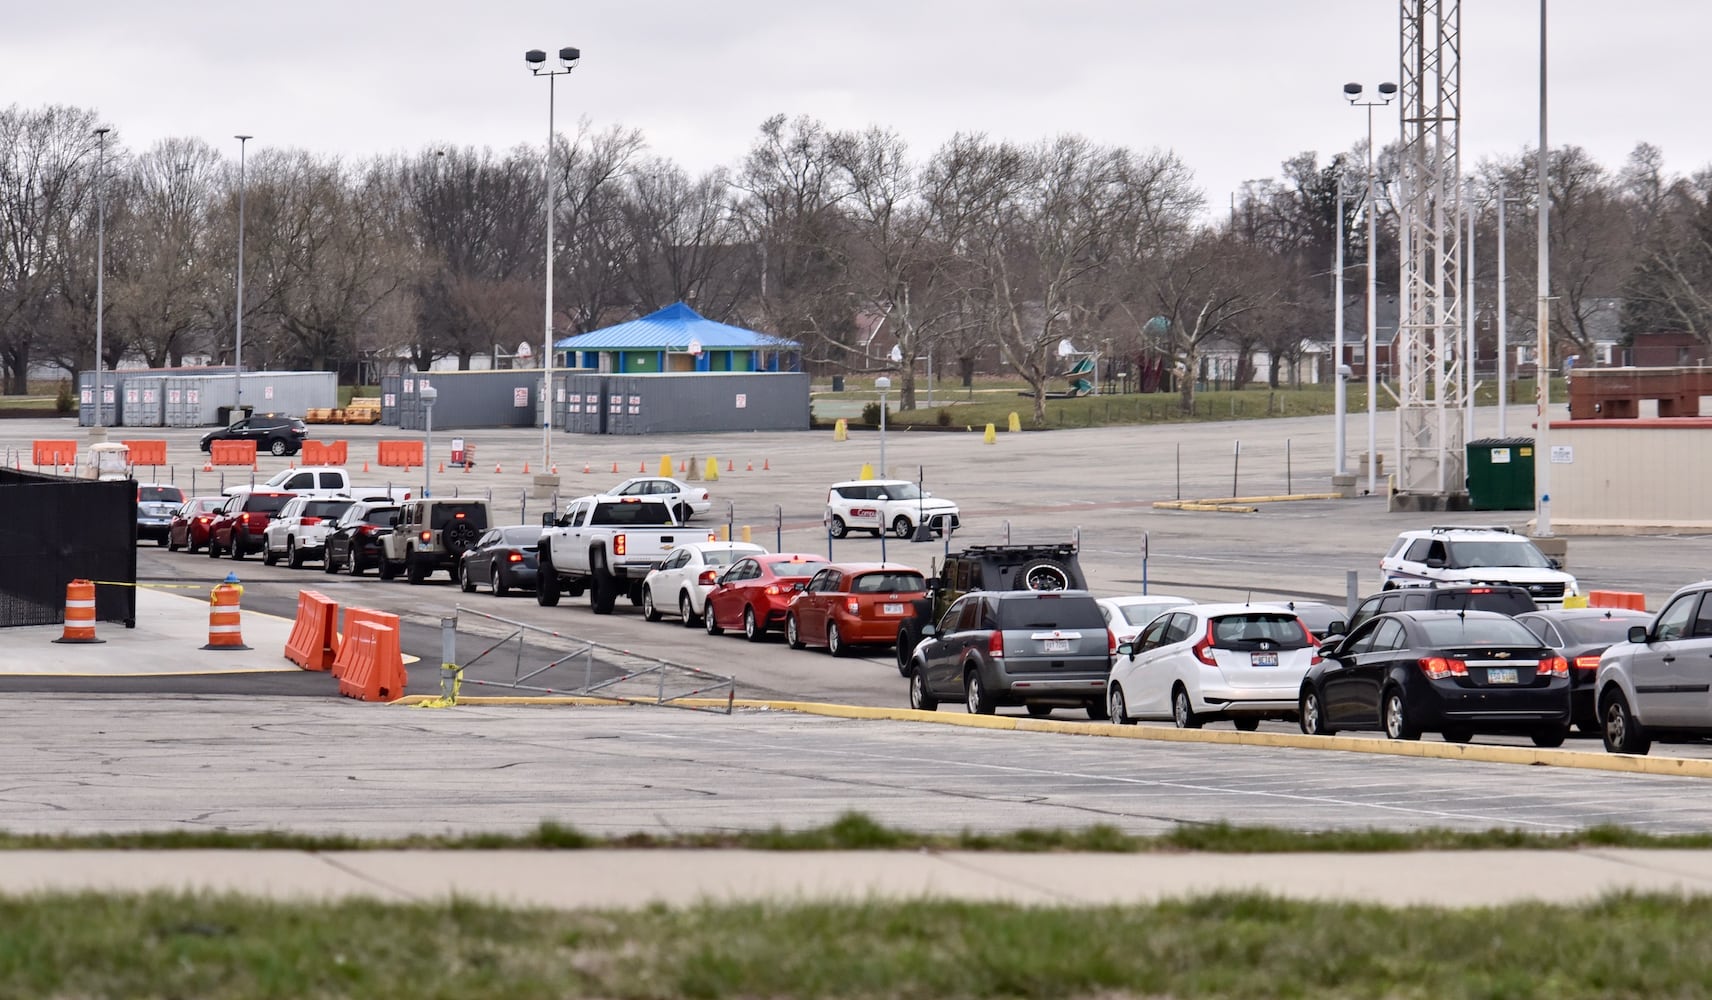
{"x":154,"y":586}
{"x":445,"y":699}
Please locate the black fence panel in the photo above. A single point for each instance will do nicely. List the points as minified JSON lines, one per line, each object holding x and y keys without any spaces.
{"x":58,"y":530}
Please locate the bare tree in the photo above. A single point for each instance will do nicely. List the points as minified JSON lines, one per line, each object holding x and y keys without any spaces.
{"x":1209,"y":286}
{"x":686,"y":244}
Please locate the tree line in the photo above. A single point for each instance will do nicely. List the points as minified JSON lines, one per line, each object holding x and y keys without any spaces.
{"x":820,"y":236}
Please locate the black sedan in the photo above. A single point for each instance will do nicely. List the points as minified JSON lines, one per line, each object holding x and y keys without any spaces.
{"x":1580,"y":635}
{"x":1456,"y":673}
{"x":502,"y":558}
{"x":354,"y":543}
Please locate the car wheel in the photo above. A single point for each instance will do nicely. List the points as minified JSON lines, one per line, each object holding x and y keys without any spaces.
{"x":1116,"y":708}
{"x":388,"y":568}
{"x":278,"y":448}
{"x":171,"y":543}
{"x":465,"y":584}
{"x":603,"y":590}
{"x":836,"y":527}
{"x":682,"y":513}
{"x":328,"y":566}
{"x":921,"y":699}
{"x":1313,"y":715}
{"x":269,"y":556}
{"x":902,"y":528}
{"x":1183,"y":710}
{"x":1039,"y":711}
{"x":1457,"y":734}
{"x":753,"y":630}
{"x":1044,"y":574}
{"x":905,"y":648}
{"x":1098,"y":711}
{"x":835,"y":642}
{"x":686,"y":611}
{"x":498,"y":585}
{"x":1623,"y":733}
{"x":237,"y":546}
{"x":213,"y":548}
{"x":708,"y":621}
{"x":1397,"y":723}
{"x":293,"y":557}
{"x":190,"y":544}
{"x":1548,"y":737}
{"x":792,"y":639}
{"x":649,"y":612}
{"x":546,"y":582}
{"x":975,"y":697}
{"x":1246,"y":725}
{"x":160,"y":541}
{"x":415,"y":570}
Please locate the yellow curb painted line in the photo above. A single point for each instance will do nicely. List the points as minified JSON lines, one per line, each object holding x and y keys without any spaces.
{"x":1280,"y":498}
{"x":1680,"y":767}
{"x":1196,"y":505}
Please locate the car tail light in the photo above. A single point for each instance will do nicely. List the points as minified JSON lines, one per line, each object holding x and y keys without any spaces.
{"x":515,"y":557}
{"x":459,"y":516}
{"x":1203,"y":650}
{"x":1557,"y":666}
{"x":367,"y":529}
{"x":243,"y":519}
{"x":202,"y":519}
{"x":1438,"y":667}
{"x":996,"y":645}
{"x":617,"y":545}
{"x":706,"y":578}
{"x":309,"y":520}
{"x":426,"y":536}
{"x":1588,"y":662}
{"x":854,"y":607}
{"x":1480,"y":590}
{"x":773,"y":590}
{"x":1313,"y":643}
{"x":1111,"y":643}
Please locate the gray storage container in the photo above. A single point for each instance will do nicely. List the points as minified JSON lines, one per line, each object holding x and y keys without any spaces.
{"x":689,"y":402}
{"x":584,"y":408}
{"x":142,"y":402}
{"x":390,"y":387}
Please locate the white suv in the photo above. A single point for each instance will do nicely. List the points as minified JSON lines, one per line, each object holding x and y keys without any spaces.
{"x":874,"y":505}
{"x":1456,"y":554}
{"x":299,"y":531}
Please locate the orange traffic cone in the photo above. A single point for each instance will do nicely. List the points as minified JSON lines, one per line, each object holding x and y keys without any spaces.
{"x":496,"y":467}
{"x":468,"y":466}
{"x":442,"y":467}
{"x":555,"y":469}
{"x":750,"y":467}
{"x":642,"y":467}
{"x":365,"y":465}
{"x":615,"y":468}
{"x":683,"y":467}
{"x":585,"y":468}
{"x":730,"y":465}
{"x":526,"y":467}
{"x":79,"y":613}
{"x":766,"y":465}
{"x":207,"y":466}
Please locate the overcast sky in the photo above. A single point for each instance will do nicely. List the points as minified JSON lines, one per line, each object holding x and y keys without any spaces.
{"x":1233,"y":86}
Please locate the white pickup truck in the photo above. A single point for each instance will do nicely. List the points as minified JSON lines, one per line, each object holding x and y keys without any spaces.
{"x":605,"y":545}
{"x":326,"y":481}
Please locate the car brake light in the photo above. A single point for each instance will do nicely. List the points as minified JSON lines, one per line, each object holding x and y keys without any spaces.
{"x":854,"y":607}
{"x":202,"y":519}
{"x":1111,"y":643}
{"x":1588,"y":662}
{"x":1557,"y":666}
{"x":367,"y":529}
{"x":1438,"y":667}
{"x":309,"y":520}
{"x":427,"y":536}
{"x":514,"y":557}
{"x":996,"y":645}
{"x":617,"y":545}
{"x":243,"y":519}
{"x":706,"y":578}
{"x":1313,"y":643}
{"x":773,"y":590}
{"x":1480,"y":590}
{"x":1203,"y":650}
{"x":459,"y":516}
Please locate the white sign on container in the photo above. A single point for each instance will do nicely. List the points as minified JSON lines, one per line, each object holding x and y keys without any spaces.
{"x":742,"y":401}
{"x":520,"y":396}
{"x":267,"y":392}
{"x":409,"y":385}
{"x":389,"y":399}
{"x":1500,"y":456}
{"x":1563,"y":454}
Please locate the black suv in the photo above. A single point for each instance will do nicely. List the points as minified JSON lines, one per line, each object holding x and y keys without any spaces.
{"x":1019,"y":647}
{"x":1505,"y":600}
{"x":989,"y":567}
{"x":272,"y":433}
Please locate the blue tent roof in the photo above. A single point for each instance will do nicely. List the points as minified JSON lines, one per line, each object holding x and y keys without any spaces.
{"x":672,"y":328}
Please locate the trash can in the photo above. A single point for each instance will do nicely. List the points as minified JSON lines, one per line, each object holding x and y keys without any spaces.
{"x":837,"y":383}
{"x":1501,"y":474}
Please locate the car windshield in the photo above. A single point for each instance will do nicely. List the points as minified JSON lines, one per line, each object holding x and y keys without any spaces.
{"x":1473,"y":555}
{"x":1451,"y":632}
{"x":1503,"y":601}
{"x":901,"y":491}
{"x":1590,"y":631}
{"x":521,"y":534}
{"x":1251,"y":628}
{"x":621,"y":513}
{"x":1050,"y":611}
{"x":279,"y":478}
{"x":155,"y":494}
{"x":267,"y":503}
{"x":888,"y":583}
{"x":326,"y":508}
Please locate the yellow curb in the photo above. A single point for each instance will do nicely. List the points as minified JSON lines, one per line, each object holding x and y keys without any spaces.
{"x":1197,"y":505}
{"x":1680,"y":767}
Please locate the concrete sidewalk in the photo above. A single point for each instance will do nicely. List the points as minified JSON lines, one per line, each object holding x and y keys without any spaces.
{"x":172,"y":627}
{"x":629,"y":879}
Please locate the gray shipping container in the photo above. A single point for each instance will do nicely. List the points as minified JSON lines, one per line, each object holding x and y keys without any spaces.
{"x":584,"y":408}
{"x":690,"y":402}
{"x":142,"y":401}
{"x":195,"y":400}
{"x":390,"y":387}
{"x":113,"y":382}
{"x":469,"y":399}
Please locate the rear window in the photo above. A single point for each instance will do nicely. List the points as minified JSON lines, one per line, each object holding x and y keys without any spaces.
{"x":722,"y":557}
{"x":380,"y":516}
{"x":1588,"y":631}
{"x":620,"y":514}
{"x":521,"y":535}
{"x":148,"y":494}
{"x":890,"y":582}
{"x":267,"y":503}
{"x":1444,"y":633}
{"x":1250,"y":629}
{"x":1505,"y":602}
{"x":326,"y":508}
{"x":445,"y":513}
{"x":1050,"y":611}
{"x":793,"y":568}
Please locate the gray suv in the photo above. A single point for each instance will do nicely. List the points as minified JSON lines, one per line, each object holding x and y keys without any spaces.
{"x":1659,"y":683}
{"x":1041,"y":650}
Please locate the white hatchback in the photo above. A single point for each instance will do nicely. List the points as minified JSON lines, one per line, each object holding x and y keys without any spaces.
{"x":1127,"y":616}
{"x":1210,"y":662}
{"x":687,"y":574}
{"x":876,"y":505}
{"x":299,"y":531}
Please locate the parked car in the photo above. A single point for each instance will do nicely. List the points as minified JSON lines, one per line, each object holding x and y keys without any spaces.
{"x":1211,"y":662}
{"x":190,"y":523}
{"x":685,"y":577}
{"x":502,"y":558}
{"x":432,"y":534}
{"x":299,"y":531}
{"x":273,"y":433}
{"x":607,"y":546}
{"x":1580,"y":635}
{"x":876,"y":505}
{"x":238,"y":528}
{"x":156,"y":504}
{"x":685,"y":500}
{"x":989,"y":567}
{"x":354,"y":544}
{"x":1322,"y":619}
{"x":1456,"y":673}
{"x":1505,"y":600}
{"x":1654,"y":686}
{"x":325,"y":481}
{"x":1039,"y":649}
{"x":852,"y":604}
{"x":755,"y":591}
{"x":1127,"y":616}
{"x":1449,"y":554}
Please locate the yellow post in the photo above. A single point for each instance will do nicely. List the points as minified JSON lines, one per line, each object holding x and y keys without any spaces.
{"x":1574,"y":601}
{"x":712,"y":473}
{"x":867,"y":471}
{"x":746,"y":533}
{"x":1016,"y":423}
{"x":841,"y":430}
{"x":991,"y":436}
{"x":725,"y":532}
{"x":665,"y":465}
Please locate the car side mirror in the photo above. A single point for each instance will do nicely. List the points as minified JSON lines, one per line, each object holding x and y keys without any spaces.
{"x":393,"y":520}
{"x":1336,"y":629}
{"x":1638,"y":633}
{"x":1435,"y":563}
{"x":927,"y":631}
{"x":1555,"y":564}
{"x":882,"y":497}
{"x":799,"y":587}
{"x":1127,"y":648}
{"x":548,"y":520}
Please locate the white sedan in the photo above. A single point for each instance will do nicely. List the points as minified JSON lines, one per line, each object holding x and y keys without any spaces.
{"x":1127,"y":616}
{"x":684,"y":579}
{"x":686,"y":501}
{"x":299,"y":531}
{"x":1210,"y":662}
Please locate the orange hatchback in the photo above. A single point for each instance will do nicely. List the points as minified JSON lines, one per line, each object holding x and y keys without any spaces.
{"x":849,"y":604}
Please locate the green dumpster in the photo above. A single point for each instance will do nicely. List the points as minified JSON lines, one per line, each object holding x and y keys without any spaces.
{"x":1501,"y":474}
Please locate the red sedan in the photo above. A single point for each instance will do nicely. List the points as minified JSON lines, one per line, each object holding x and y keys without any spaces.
{"x":853,"y":603}
{"x":754,"y":593}
{"x":190,"y":523}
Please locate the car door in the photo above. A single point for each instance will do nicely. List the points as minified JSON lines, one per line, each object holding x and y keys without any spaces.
{"x":1653,"y":668}
{"x":1341,"y":688}
{"x":1691,"y":703}
{"x":1140,"y":680}
{"x":810,"y":607}
{"x":479,"y":558}
{"x":725,"y":600}
{"x":670,"y":579}
{"x":945,"y":652}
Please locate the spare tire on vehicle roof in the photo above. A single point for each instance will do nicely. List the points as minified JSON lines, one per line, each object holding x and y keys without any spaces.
{"x":1043,"y":574}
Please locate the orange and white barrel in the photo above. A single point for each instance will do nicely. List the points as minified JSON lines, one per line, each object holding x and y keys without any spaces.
{"x":79,"y":612}
{"x":224,"y":629}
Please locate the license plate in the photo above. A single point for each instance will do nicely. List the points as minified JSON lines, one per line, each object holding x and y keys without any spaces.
{"x":892,"y":609}
{"x":1263,"y":659}
{"x":1057,"y":645}
{"x":1501,"y":675}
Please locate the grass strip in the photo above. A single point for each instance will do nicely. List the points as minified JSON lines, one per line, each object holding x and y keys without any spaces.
{"x":172,"y":945}
{"x":855,"y":831}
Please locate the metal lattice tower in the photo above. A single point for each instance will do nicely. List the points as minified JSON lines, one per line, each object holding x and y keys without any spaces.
{"x":1429,"y":362}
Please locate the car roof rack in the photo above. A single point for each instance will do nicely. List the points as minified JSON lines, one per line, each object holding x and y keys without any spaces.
{"x":1441,"y":528}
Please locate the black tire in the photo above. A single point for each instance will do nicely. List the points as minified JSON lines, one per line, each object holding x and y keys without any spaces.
{"x":1622,"y":732}
{"x":171,"y":543}
{"x":415,"y":570}
{"x":907,"y":641}
{"x":279,"y":448}
{"x":1395,"y":712}
{"x":237,"y":547}
{"x":1183,"y":710}
{"x":546,"y":581}
{"x":388,"y":568}
{"x":921,"y":699}
{"x":901,"y":527}
{"x":1312,"y":713}
{"x":975,"y":696}
{"x":1043,"y":574}
{"x":1246,"y":725}
{"x":836,"y":527}
{"x":686,"y":610}
{"x":465,"y":584}
{"x":707,"y":620}
{"x":1457,"y":734}
{"x":293,"y":555}
{"x":213,"y":548}
{"x":498,"y":584}
{"x":1039,"y":711}
{"x":1097,"y":711}
{"x":649,"y":612}
{"x":835,"y":643}
{"x":190,"y":543}
{"x":160,"y":541}
{"x":753,"y":630}
{"x":269,"y":557}
{"x":603,"y":591}
{"x":1548,"y":737}
{"x":1117,"y":708}
{"x":792,"y":638}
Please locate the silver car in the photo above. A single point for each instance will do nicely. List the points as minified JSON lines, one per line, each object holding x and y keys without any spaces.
{"x":1038,"y":649}
{"x":1659,"y":683}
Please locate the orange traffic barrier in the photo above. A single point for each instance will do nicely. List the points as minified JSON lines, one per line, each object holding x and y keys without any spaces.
{"x":146,"y":452}
{"x":354,"y":617}
{"x":326,"y":452}
{"x":224,"y":629}
{"x":373,"y":670}
{"x":400,"y":454}
{"x":54,"y":452}
{"x":314,"y":638}
{"x":1616,"y":599}
{"x":232,"y":453}
{"x":79,"y":613}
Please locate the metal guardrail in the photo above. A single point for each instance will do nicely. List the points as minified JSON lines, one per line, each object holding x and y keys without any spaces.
{"x":610,"y":673}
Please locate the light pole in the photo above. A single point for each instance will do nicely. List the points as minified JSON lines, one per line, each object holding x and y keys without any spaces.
{"x":238,"y":340}
{"x":428,"y":394}
{"x":1352,"y":93}
{"x":883,"y":384}
{"x":1503,"y":323}
{"x":1340,"y":401}
{"x":100,"y":264}
{"x":536,"y":60}
{"x":1542,"y":364}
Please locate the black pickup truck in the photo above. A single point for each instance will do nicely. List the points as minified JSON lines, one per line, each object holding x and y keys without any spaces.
{"x":989,"y":567}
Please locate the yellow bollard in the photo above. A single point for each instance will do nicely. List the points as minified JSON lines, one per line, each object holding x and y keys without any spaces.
{"x":725,"y":532}
{"x":841,"y":430}
{"x":1016,"y":423}
{"x":665,"y":465}
{"x":1574,"y":601}
{"x":991,"y":436}
{"x":746,"y":533}
{"x":712,"y":473}
{"x":867,"y":471}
